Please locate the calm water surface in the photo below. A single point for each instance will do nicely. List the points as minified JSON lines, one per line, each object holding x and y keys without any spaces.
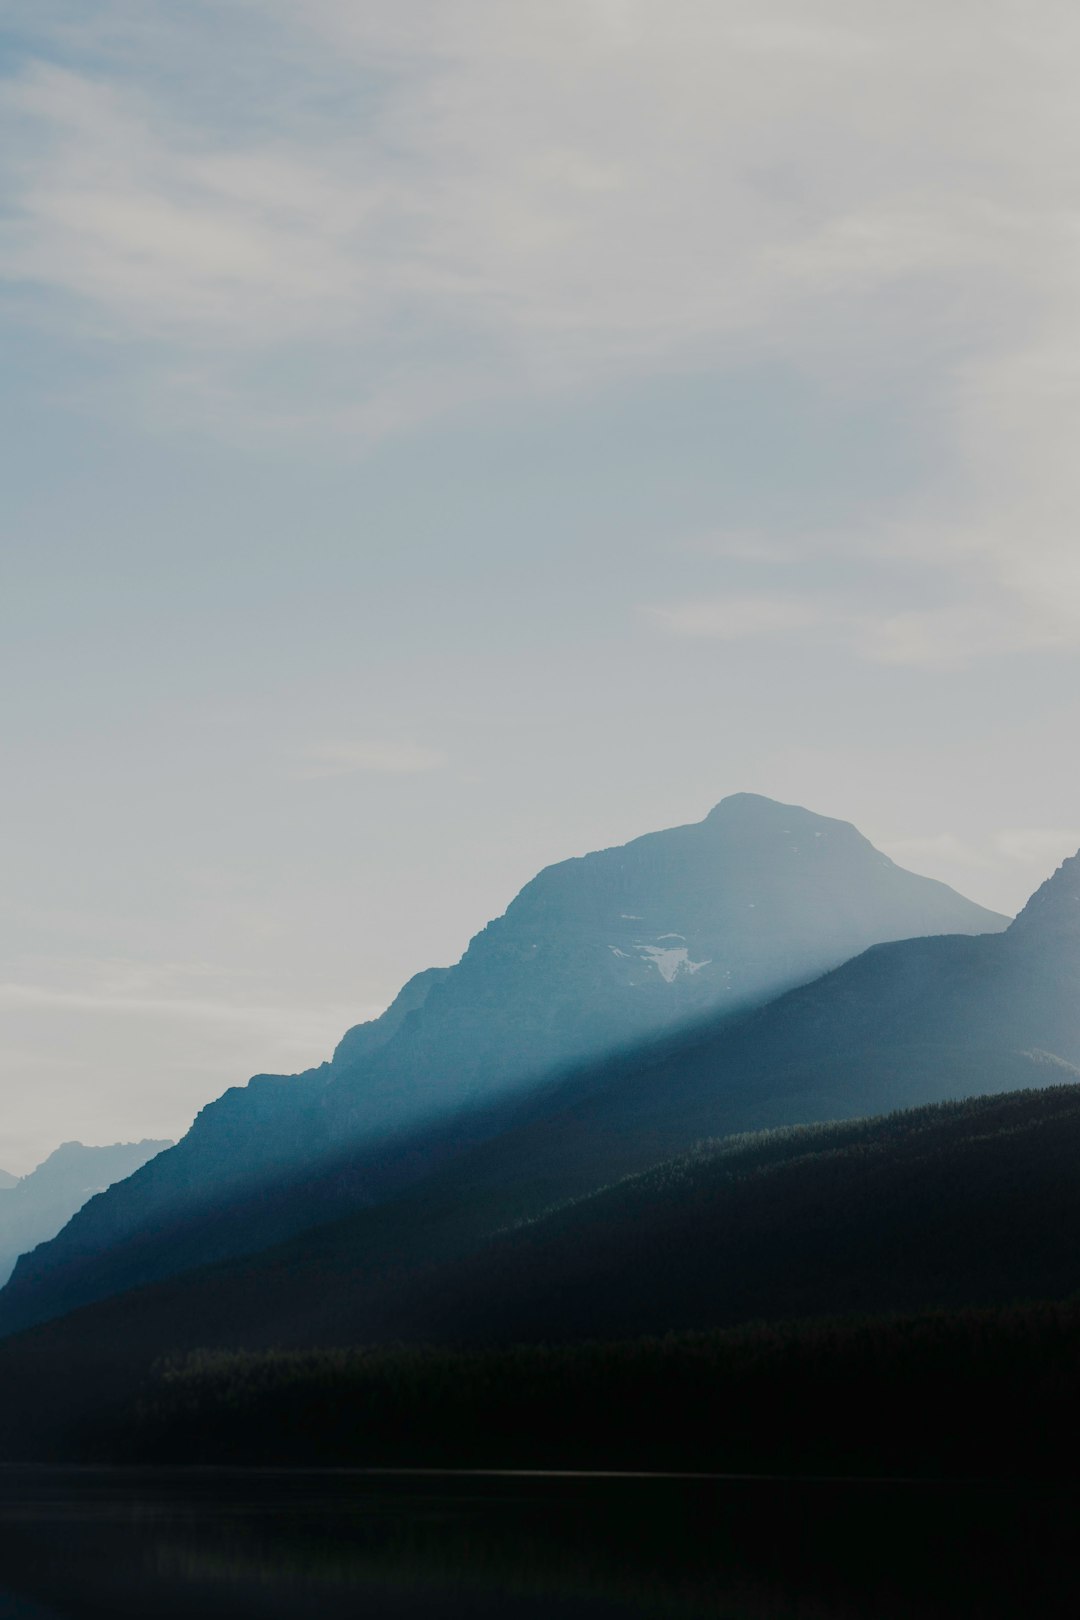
{"x":269,"y":1545}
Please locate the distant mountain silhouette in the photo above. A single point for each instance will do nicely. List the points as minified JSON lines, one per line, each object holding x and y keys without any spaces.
{"x":7,"y":1180}
{"x":595,"y":955}
{"x":35,"y":1208}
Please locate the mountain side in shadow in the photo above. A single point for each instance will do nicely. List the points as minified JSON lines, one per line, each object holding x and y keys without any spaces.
{"x":35,"y":1208}
{"x":595,"y":954}
{"x":959,"y":1204}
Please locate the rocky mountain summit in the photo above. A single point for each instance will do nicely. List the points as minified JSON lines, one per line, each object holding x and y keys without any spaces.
{"x":610,"y":948}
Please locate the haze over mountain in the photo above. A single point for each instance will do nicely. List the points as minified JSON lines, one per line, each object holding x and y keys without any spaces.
{"x":7,"y":1180}
{"x":34,"y":1208}
{"x":594,"y":956}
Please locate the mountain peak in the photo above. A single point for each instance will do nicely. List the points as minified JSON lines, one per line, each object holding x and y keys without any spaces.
{"x":1053,"y":912}
{"x":753,"y":814}
{"x":746,"y":804}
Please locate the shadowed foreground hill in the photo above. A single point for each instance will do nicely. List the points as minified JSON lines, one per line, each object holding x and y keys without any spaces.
{"x":972,"y":1203}
{"x":595,"y":954}
{"x":954,"y":1207}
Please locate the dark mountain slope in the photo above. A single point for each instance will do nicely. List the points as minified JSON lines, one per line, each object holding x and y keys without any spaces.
{"x":974,"y":1203}
{"x":594,"y":954}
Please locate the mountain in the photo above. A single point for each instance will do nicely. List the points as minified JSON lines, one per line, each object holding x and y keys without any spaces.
{"x":903,"y":1025}
{"x":608,"y":949}
{"x":7,"y":1180}
{"x":595,"y":955}
{"x":35,"y":1208}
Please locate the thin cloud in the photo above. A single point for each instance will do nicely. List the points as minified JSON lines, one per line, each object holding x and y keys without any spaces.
{"x":303,"y":1026}
{"x":951,"y":636}
{"x":348,"y":758}
{"x":507,"y":200}
{"x":1042,"y":846}
{"x":740,"y":545}
{"x":946,"y":637}
{"x":1041,"y":849}
{"x":737,"y":618}
{"x":937,"y":849}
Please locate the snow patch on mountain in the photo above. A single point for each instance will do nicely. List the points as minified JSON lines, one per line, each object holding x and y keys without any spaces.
{"x":670,"y":961}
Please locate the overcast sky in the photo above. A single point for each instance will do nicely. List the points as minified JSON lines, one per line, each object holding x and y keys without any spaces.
{"x":443,"y":436}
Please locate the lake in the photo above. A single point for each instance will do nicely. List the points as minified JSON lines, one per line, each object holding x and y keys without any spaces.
{"x":266,"y":1544}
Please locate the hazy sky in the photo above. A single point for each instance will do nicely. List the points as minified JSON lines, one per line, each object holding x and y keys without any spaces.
{"x":442,"y":436}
